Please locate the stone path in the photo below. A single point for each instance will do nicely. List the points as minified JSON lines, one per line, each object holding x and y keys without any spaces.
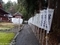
{"x":26,"y":37}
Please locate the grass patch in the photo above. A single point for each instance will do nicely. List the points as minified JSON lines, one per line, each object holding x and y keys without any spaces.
{"x":6,"y":38}
{"x":6,"y":26}
{"x":1,"y":28}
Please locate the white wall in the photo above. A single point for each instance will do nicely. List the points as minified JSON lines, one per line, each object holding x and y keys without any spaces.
{"x":17,"y":20}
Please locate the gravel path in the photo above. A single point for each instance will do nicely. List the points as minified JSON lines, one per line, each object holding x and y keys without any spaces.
{"x":26,"y":37}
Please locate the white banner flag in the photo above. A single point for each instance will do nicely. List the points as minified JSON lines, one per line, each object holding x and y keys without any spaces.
{"x":41,"y":19}
{"x":44,"y":19}
{"x":49,"y":18}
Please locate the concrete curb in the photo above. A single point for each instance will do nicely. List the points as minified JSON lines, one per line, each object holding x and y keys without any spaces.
{"x":14,"y":39}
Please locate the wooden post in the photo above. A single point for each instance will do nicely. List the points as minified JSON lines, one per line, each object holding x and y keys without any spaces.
{"x":46,"y":38}
{"x":40,"y":36}
{"x":37,"y":33}
{"x":43,"y":36}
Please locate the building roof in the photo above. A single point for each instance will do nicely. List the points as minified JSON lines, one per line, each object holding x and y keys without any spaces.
{"x":3,"y":11}
{"x":17,"y":13}
{"x":9,"y":15}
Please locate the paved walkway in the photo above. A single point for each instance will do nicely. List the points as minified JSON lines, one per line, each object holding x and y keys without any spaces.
{"x":26,"y":37}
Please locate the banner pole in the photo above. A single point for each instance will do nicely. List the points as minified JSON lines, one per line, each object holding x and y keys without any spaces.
{"x":43,"y":37}
{"x":46,"y":38}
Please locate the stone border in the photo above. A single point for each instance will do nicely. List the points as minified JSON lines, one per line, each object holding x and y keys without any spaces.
{"x":14,"y":39}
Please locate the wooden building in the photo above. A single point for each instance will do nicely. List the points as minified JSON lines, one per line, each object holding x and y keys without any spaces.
{"x":3,"y":13}
{"x":3,"y":17}
{"x":17,"y":15}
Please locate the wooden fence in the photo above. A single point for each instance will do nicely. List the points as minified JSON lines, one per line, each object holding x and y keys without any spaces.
{"x":53,"y":37}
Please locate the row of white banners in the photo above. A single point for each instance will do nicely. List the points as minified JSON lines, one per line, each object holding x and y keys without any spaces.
{"x":43,"y":19}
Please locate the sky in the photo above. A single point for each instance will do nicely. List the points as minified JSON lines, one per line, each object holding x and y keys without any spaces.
{"x":5,"y":1}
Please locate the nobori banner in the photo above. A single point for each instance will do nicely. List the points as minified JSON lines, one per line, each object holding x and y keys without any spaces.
{"x":43,"y":19}
{"x":46,"y":17}
{"x":49,"y":18}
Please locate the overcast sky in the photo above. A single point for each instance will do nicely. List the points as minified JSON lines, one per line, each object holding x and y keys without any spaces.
{"x":8,"y":0}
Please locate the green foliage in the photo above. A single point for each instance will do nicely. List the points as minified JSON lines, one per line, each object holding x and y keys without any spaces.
{"x":26,"y":7}
{"x":11,"y":7}
{"x":6,"y":38}
{"x":7,"y":5}
{"x":30,"y":6}
{"x":15,"y":7}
